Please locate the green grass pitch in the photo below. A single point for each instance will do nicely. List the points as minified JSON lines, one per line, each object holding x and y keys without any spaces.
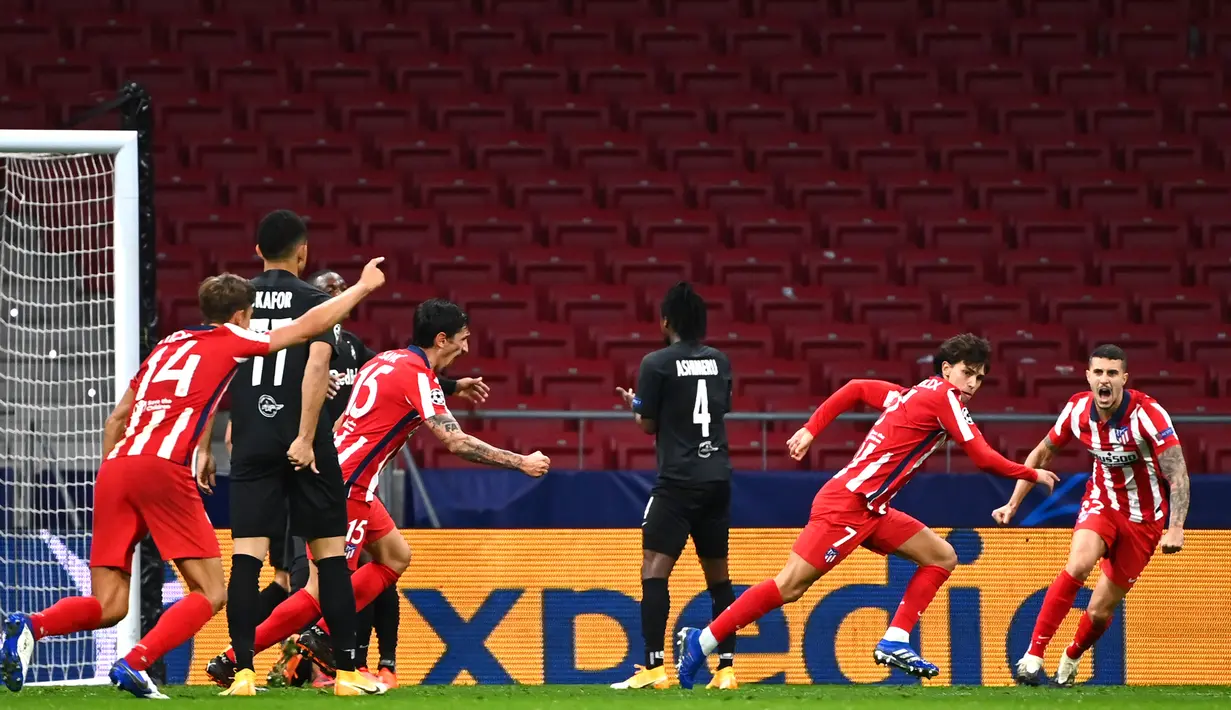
{"x":598,"y":698}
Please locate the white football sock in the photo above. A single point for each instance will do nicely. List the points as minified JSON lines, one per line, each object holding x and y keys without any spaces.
{"x":708,"y":642}
{"x":897,"y":635}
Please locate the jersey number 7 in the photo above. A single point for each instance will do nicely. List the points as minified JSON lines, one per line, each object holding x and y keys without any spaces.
{"x":264,"y":325}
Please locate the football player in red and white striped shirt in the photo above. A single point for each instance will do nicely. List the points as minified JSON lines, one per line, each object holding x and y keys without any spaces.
{"x":852,"y":508}
{"x":146,"y":481}
{"x":1138,"y":473}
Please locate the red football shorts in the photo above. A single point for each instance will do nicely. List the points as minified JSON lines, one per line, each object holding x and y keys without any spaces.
{"x":1129,"y":545}
{"x":369,"y":522}
{"x":134,"y":495}
{"x":841,"y":521}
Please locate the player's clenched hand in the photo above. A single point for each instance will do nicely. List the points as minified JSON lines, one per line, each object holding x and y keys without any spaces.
{"x":302,"y":454}
{"x":372,"y":276}
{"x":335,"y":384}
{"x":798,"y":444}
{"x":1173,"y":541}
{"x":473,"y":389}
{"x":627,"y":395}
{"x":206,"y":469}
{"x":535,"y":464}
{"x":1003,"y":514}
{"x":1046,"y":478}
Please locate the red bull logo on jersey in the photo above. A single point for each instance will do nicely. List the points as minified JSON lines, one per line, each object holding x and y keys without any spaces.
{"x":561,"y":606}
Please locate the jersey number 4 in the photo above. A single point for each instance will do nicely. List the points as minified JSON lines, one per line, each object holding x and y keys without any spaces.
{"x":264,"y":325}
{"x":701,"y":409}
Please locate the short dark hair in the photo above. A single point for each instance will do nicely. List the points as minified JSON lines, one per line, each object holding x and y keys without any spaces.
{"x":435,"y":316}
{"x":221,"y":296}
{"x":685,"y":312}
{"x":279,"y":233}
{"x":1109,"y":351}
{"x":968,"y":348}
{"x":322,"y":274}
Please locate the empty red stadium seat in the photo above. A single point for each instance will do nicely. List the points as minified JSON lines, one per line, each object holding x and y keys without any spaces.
{"x":879,"y":305}
{"x":377,"y":114}
{"x":551,"y":266}
{"x":1063,"y":230}
{"x":1204,"y":342}
{"x":1047,"y":41}
{"x":700,"y":151}
{"x":912,"y":342}
{"x":1054,"y":382}
{"x":994,"y":78}
{"x":569,"y":377}
{"x":650,"y":266}
{"x":1015,"y":342}
{"x":614,"y":75}
{"x":977,"y":154}
{"x":846,"y":267}
{"x":1081,"y":305}
{"x":1140,"y":342}
{"x":1211,"y":267}
{"x":1042,"y":267}
{"x":1139,"y":269}
{"x":791,"y":306}
{"x":584,"y":227}
{"x":1017,"y":192}
{"x":866,"y":228}
{"x":209,"y":226}
{"x":987,"y":305}
{"x":520,"y":73}
{"x":962,"y":229}
{"x":939,"y":270}
{"x":625,"y":343}
{"x":444,"y":266}
{"x":1108,"y":192}
{"x":829,"y":189}
{"x":512,"y":151}
{"x":881,"y":155}
{"x":920,"y":193}
{"x":780,"y":152}
{"x":831,"y":341}
{"x":757,"y":377}
{"x":1165,"y":380}
{"x":274,"y":112}
{"x":801,"y":76}
{"x":396,"y":301}
{"x":762,"y":37}
{"x":529,"y":341}
{"x":669,"y":228}
{"x":773,"y":228}
{"x":1146,"y":229}
{"x":749,"y":267}
{"x":493,"y":228}
{"x":588,"y":304}
{"x":949,"y":39}
{"x":1170,"y":305}
{"x":628,"y":189}
{"x":538,"y":189}
{"x":723,"y":190}
{"x":1034,"y":116}
{"x":745,"y":342}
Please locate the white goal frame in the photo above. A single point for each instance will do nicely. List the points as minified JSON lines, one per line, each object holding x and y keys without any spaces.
{"x":126,"y":297}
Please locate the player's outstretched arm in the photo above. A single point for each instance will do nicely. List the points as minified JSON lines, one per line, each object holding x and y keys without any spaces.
{"x":113,"y":429}
{"x":465,"y":446}
{"x":874,"y":393}
{"x":1040,"y":457}
{"x":324,"y":316}
{"x":1171,"y":464}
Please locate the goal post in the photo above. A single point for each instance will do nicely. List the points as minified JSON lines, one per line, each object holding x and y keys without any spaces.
{"x":70,"y":341}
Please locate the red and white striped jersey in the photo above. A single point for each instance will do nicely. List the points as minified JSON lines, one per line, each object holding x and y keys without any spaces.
{"x":393,"y":393}
{"x":178,"y":387}
{"x":915,"y":422}
{"x":1125,"y":476}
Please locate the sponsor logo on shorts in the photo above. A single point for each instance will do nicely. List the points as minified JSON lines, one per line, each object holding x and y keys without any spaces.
{"x":268,"y":406}
{"x":350,"y":550}
{"x":831,"y":555}
{"x":706,"y":449}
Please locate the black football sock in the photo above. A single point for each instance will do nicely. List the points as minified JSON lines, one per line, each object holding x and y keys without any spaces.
{"x":271,"y":597}
{"x":388,"y":618}
{"x":363,"y":634}
{"x":243,"y":607}
{"x":722,"y":595}
{"x":655,"y":606}
{"x":338,"y":608}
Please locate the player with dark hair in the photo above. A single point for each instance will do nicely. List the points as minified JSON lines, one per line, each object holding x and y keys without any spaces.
{"x":1138,"y":470}
{"x":146,"y":484}
{"x":394,"y":393}
{"x":683,"y":395}
{"x":852,"y":508}
{"x":284,"y":462}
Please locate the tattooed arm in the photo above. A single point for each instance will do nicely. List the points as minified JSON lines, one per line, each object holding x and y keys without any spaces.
{"x":1171,"y":463}
{"x":465,"y":446}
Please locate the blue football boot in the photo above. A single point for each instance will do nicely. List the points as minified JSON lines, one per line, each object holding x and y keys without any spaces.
{"x":900,"y":655}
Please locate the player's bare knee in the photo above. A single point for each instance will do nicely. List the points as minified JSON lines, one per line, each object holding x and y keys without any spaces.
{"x":946,"y":557}
{"x":1099,"y":614}
{"x":1079,"y":568}
{"x":114,"y":611}
{"x":399,"y":558}
{"x":282,"y":578}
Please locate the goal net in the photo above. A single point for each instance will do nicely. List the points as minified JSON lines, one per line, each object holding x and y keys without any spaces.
{"x":69,"y":343}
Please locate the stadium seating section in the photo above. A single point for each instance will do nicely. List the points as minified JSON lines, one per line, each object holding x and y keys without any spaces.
{"x":848,"y":181}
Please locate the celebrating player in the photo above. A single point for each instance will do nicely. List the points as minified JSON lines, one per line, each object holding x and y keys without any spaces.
{"x":145,"y":482}
{"x":683,"y":394}
{"x":394,"y":393}
{"x":852,"y":508}
{"x":1138,"y":468}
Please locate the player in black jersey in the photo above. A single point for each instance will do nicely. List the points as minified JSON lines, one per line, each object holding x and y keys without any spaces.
{"x":284,"y":462}
{"x":683,"y":394}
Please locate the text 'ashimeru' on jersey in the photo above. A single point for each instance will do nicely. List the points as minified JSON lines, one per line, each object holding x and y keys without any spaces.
{"x":178,"y":387}
{"x":394,"y":393}
{"x":915,"y":422}
{"x":1125,"y":476}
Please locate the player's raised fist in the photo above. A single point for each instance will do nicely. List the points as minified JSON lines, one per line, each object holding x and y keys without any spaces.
{"x":372,"y":276}
{"x":798,"y":444}
{"x":1003,"y":514}
{"x":1173,"y":541}
{"x":535,"y":464}
{"x":1046,"y":478}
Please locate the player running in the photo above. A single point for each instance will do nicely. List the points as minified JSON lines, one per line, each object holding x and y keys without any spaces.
{"x":852,"y":509}
{"x":683,"y":395}
{"x":1138,"y":468}
{"x":394,"y":393}
{"x":146,"y":483}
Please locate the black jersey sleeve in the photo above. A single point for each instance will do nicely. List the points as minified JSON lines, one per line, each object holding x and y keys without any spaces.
{"x":650,"y":386}
{"x":331,"y":336}
{"x":448,"y":385}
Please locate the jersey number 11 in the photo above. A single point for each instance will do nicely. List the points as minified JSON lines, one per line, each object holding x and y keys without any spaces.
{"x":264,"y":325}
